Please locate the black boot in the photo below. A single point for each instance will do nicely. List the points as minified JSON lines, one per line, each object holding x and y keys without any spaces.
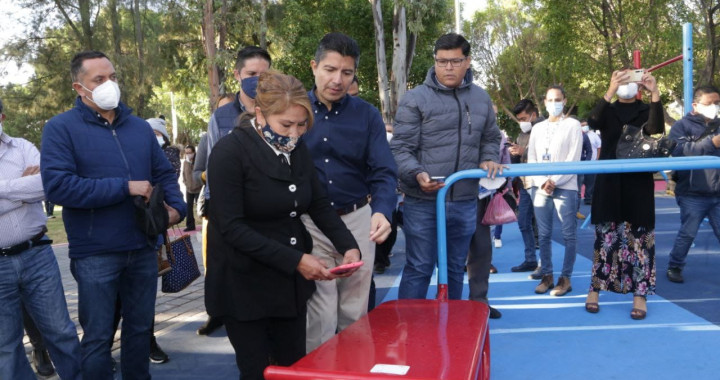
{"x":43,"y":365}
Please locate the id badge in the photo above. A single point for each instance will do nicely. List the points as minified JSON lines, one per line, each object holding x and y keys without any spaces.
{"x":546,"y":157}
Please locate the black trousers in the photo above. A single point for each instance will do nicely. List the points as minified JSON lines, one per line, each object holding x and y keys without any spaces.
{"x":190,"y":199}
{"x":257,"y":343}
{"x":480,"y":256}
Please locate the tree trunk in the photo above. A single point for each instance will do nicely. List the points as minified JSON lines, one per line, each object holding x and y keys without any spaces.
{"x":399,"y":64}
{"x":139,"y":45}
{"x":263,"y":24}
{"x":85,"y":23}
{"x":381,"y":61}
{"x":707,"y":75}
{"x":208,"y":30}
{"x":116,"y":36}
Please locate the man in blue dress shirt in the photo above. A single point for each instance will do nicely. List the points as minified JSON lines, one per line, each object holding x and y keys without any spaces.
{"x":353,"y":161}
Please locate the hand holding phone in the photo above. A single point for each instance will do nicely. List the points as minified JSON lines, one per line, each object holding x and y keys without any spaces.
{"x":342,"y":269}
{"x":438,"y":178}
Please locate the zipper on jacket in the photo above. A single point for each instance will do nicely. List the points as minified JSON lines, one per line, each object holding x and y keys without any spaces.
{"x":467,"y":112}
{"x":122,"y":154}
{"x":459,"y":146}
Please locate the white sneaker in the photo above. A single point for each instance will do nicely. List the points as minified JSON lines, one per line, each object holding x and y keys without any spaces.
{"x":498,"y":243}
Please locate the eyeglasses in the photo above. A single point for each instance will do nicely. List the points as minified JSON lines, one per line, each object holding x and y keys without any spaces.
{"x":456,"y":62}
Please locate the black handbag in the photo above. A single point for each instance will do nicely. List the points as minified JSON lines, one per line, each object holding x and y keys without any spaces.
{"x":634,"y":143}
{"x":152,"y":217}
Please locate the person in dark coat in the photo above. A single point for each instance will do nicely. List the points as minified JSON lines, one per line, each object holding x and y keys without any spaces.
{"x":623,"y":208}
{"x":260,"y":271}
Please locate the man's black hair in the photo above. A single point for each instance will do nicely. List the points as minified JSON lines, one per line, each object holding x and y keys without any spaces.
{"x":250,"y":52}
{"x":556,"y":87}
{"x":525,"y":105}
{"x":77,"y":61}
{"x":452,"y":41}
{"x":339,"y":43}
{"x":702,"y":90}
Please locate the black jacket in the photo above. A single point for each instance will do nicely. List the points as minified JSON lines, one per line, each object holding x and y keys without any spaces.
{"x":624,"y":197}
{"x":687,"y":132}
{"x":255,"y":236}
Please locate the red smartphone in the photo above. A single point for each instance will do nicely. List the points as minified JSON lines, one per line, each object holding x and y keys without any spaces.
{"x":342,"y":269}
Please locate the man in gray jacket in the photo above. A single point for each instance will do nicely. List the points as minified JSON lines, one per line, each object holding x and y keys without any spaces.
{"x":445,"y":125}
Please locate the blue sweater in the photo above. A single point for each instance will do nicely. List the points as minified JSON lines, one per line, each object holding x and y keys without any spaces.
{"x":701,"y":182}
{"x":86,"y":164}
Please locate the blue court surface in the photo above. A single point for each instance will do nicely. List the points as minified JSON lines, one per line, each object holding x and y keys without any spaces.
{"x":546,"y":337}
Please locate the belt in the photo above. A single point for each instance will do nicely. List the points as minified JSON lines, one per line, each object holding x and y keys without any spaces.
{"x":353,"y":207}
{"x":24,"y":246}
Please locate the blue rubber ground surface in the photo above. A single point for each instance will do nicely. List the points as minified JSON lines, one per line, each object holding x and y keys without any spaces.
{"x":545,"y":337}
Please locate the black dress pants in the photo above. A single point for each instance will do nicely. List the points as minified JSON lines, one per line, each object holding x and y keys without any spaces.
{"x":480,"y":256}
{"x":258,"y":343}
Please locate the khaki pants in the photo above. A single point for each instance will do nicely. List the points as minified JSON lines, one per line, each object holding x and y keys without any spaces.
{"x":338,"y":303}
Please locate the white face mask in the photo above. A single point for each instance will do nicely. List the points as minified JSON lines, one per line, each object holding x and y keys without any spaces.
{"x":710,"y":111}
{"x":525,"y":126}
{"x":160,"y":140}
{"x":554,"y":109}
{"x":585,"y":128}
{"x":106,"y":96}
{"x":627,"y":91}
{"x":389,"y":136}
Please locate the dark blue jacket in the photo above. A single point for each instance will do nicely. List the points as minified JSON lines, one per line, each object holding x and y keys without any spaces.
{"x":86,"y":164}
{"x":701,"y":182}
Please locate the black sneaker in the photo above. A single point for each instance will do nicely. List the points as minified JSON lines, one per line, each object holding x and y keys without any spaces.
{"x":494,"y":313}
{"x":212,"y":324}
{"x":675,"y":275}
{"x":536,"y":274}
{"x":157,"y":355}
{"x":43,"y":365}
{"x":525,"y":267}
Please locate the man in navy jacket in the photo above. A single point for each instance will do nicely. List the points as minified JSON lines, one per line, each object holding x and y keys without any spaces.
{"x":697,"y":191}
{"x":96,"y":158}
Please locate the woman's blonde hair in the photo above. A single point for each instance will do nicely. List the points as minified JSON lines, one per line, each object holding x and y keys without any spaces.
{"x":276,"y":92}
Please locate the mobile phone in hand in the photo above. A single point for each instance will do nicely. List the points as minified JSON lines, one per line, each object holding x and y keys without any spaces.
{"x":342,"y":269}
{"x":438,"y":178}
{"x":636,"y":75}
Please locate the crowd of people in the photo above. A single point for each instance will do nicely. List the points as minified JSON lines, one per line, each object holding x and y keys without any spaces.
{"x":297,"y":189}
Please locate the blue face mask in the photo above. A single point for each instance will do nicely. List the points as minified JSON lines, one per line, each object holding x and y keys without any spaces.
{"x":284,"y":144}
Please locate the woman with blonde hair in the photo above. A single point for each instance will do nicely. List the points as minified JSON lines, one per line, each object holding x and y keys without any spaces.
{"x":260,"y":270}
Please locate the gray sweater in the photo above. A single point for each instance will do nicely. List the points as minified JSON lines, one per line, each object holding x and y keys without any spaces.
{"x":442,"y":130}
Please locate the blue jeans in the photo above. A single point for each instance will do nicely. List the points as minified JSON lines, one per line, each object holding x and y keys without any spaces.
{"x":692,"y":212}
{"x":101,"y":278}
{"x":420,"y":230}
{"x":526,"y":213}
{"x":33,"y":278}
{"x":560,"y":203}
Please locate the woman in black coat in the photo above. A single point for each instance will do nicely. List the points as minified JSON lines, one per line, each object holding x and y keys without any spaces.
{"x":623,"y":207}
{"x":260,"y":270}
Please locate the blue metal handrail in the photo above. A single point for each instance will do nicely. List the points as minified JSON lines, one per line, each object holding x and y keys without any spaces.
{"x":578,"y":167}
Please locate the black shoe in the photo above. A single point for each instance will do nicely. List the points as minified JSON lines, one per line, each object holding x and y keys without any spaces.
{"x":157,"y":355}
{"x":493,"y":269}
{"x":587,"y":201}
{"x":536,"y":274}
{"x":380,"y":269}
{"x":187,"y":229}
{"x":675,"y":275}
{"x":211,"y":325}
{"x":43,"y":365}
{"x":525,"y":267}
{"x":494,"y":313}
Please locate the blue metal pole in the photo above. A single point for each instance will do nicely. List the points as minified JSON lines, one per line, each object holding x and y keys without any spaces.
{"x":578,"y":167}
{"x":687,"y":68}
